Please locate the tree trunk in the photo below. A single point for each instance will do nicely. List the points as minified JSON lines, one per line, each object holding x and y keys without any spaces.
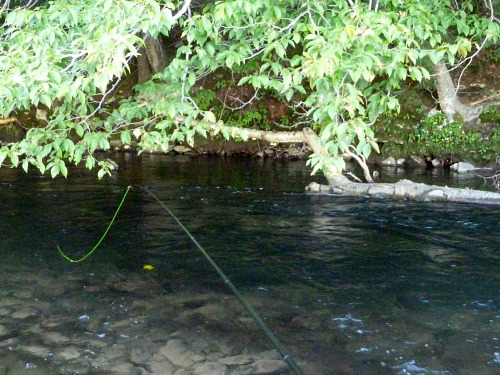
{"x":451,"y":104}
{"x":313,"y":141}
{"x":144,"y":72}
{"x":153,"y":58}
{"x":156,"y":53}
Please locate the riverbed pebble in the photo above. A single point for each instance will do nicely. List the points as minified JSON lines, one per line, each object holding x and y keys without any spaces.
{"x":37,"y":350}
{"x":55,"y":337}
{"x":177,"y":353}
{"x":3,"y":330}
{"x":5,"y":311}
{"x":161,"y":368}
{"x":69,"y":353}
{"x":263,"y":366}
{"x":236,"y":360}
{"x":213,"y":368}
{"x":24,"y":313}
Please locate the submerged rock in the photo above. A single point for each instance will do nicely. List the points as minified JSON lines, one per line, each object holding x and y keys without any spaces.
{"x":264,"y":366}
{"x":161,"y":368}
{"x":436,"y":163}
{"x":5,"y":311}
{"x":180,"y":149}
{"x":3,"y":331}
{"x":128,"y":369}
{"x":416,"y":161}
{"x":390,"y":161}
{"x":177,"y":353}
{"x":69,"y":353}
{"x":25,"y":313}
{"x":236,"y":360}
{"x":462,"y":167}
{"x":55,"y":337}
{"x":213,"y":368}
{"x":37,"y":351}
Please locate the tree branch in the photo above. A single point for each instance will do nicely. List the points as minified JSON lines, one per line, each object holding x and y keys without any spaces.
{"x":7,"y":120}
{"x":362,"y":162}
{"x":267,"y":136}
{"x":488,"y":99}
{"x":184,"y":9}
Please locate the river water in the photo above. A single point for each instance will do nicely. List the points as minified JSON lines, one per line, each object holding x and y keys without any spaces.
{"x":348,"y":285}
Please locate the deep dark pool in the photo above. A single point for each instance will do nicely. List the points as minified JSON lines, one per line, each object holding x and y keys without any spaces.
{"x":349,"y":286}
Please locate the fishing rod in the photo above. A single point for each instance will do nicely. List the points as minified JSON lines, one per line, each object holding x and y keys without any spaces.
{"x":281,"y":349}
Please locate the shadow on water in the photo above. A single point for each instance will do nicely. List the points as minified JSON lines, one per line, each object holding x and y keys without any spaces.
{"x":349,"y":285}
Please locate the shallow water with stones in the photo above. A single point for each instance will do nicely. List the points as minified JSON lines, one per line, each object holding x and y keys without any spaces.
{"x":349,"y":286}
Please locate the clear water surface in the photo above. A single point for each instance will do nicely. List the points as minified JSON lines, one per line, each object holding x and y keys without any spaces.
{"x":349,"y":285}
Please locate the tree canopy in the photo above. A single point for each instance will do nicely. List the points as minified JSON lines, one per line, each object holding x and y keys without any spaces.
{"x":338,"y":65}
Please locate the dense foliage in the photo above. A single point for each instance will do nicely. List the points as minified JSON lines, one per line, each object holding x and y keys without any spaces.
{"x":337,"y":63}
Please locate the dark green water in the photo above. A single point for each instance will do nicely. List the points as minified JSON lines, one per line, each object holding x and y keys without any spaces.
{"x":350,"y":286}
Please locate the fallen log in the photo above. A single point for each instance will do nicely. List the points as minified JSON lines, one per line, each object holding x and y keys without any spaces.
{"x":403,"y":190}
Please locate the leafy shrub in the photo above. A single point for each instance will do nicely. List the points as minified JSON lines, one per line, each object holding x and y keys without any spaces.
{"x":436,"y":137}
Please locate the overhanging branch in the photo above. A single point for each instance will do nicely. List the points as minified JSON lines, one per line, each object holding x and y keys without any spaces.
{"x":267,"y":136}
{"x":7,"y":120}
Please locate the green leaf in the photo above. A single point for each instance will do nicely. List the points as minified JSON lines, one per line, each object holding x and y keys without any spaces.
{"x":462,"y":51}
{"x":11,"y":18}
{"x":402,"y":73}
{"x":230,"y":61}
{"x":244,"y":80}
{"x":80,"y":130}
{"x":451,"y":58}
{"x":3,"y":155}
{"x":210,"y":117}
{"x":191,"y":79}
{"x":14,"y":159}
{"x":101,"y":173}
{"x":77,"y":156}
{"x":90,"y":162}
{"x":54,"y":171}
{"x":415,"y":74}
{"x":435,"y":56}
{"x":55,"y":76}
{"x":125,"y":137}
{"x":355,"y":74}
{"x":367,"y":149}
{"x":25,"y":165}
{"x":63,"y":169}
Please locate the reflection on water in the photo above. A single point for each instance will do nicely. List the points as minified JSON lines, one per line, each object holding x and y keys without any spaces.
{"x":350,"y":286}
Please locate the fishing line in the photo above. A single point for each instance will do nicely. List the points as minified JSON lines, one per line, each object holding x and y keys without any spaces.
{"x":284,"y":354}
{"x":102,"y":237}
